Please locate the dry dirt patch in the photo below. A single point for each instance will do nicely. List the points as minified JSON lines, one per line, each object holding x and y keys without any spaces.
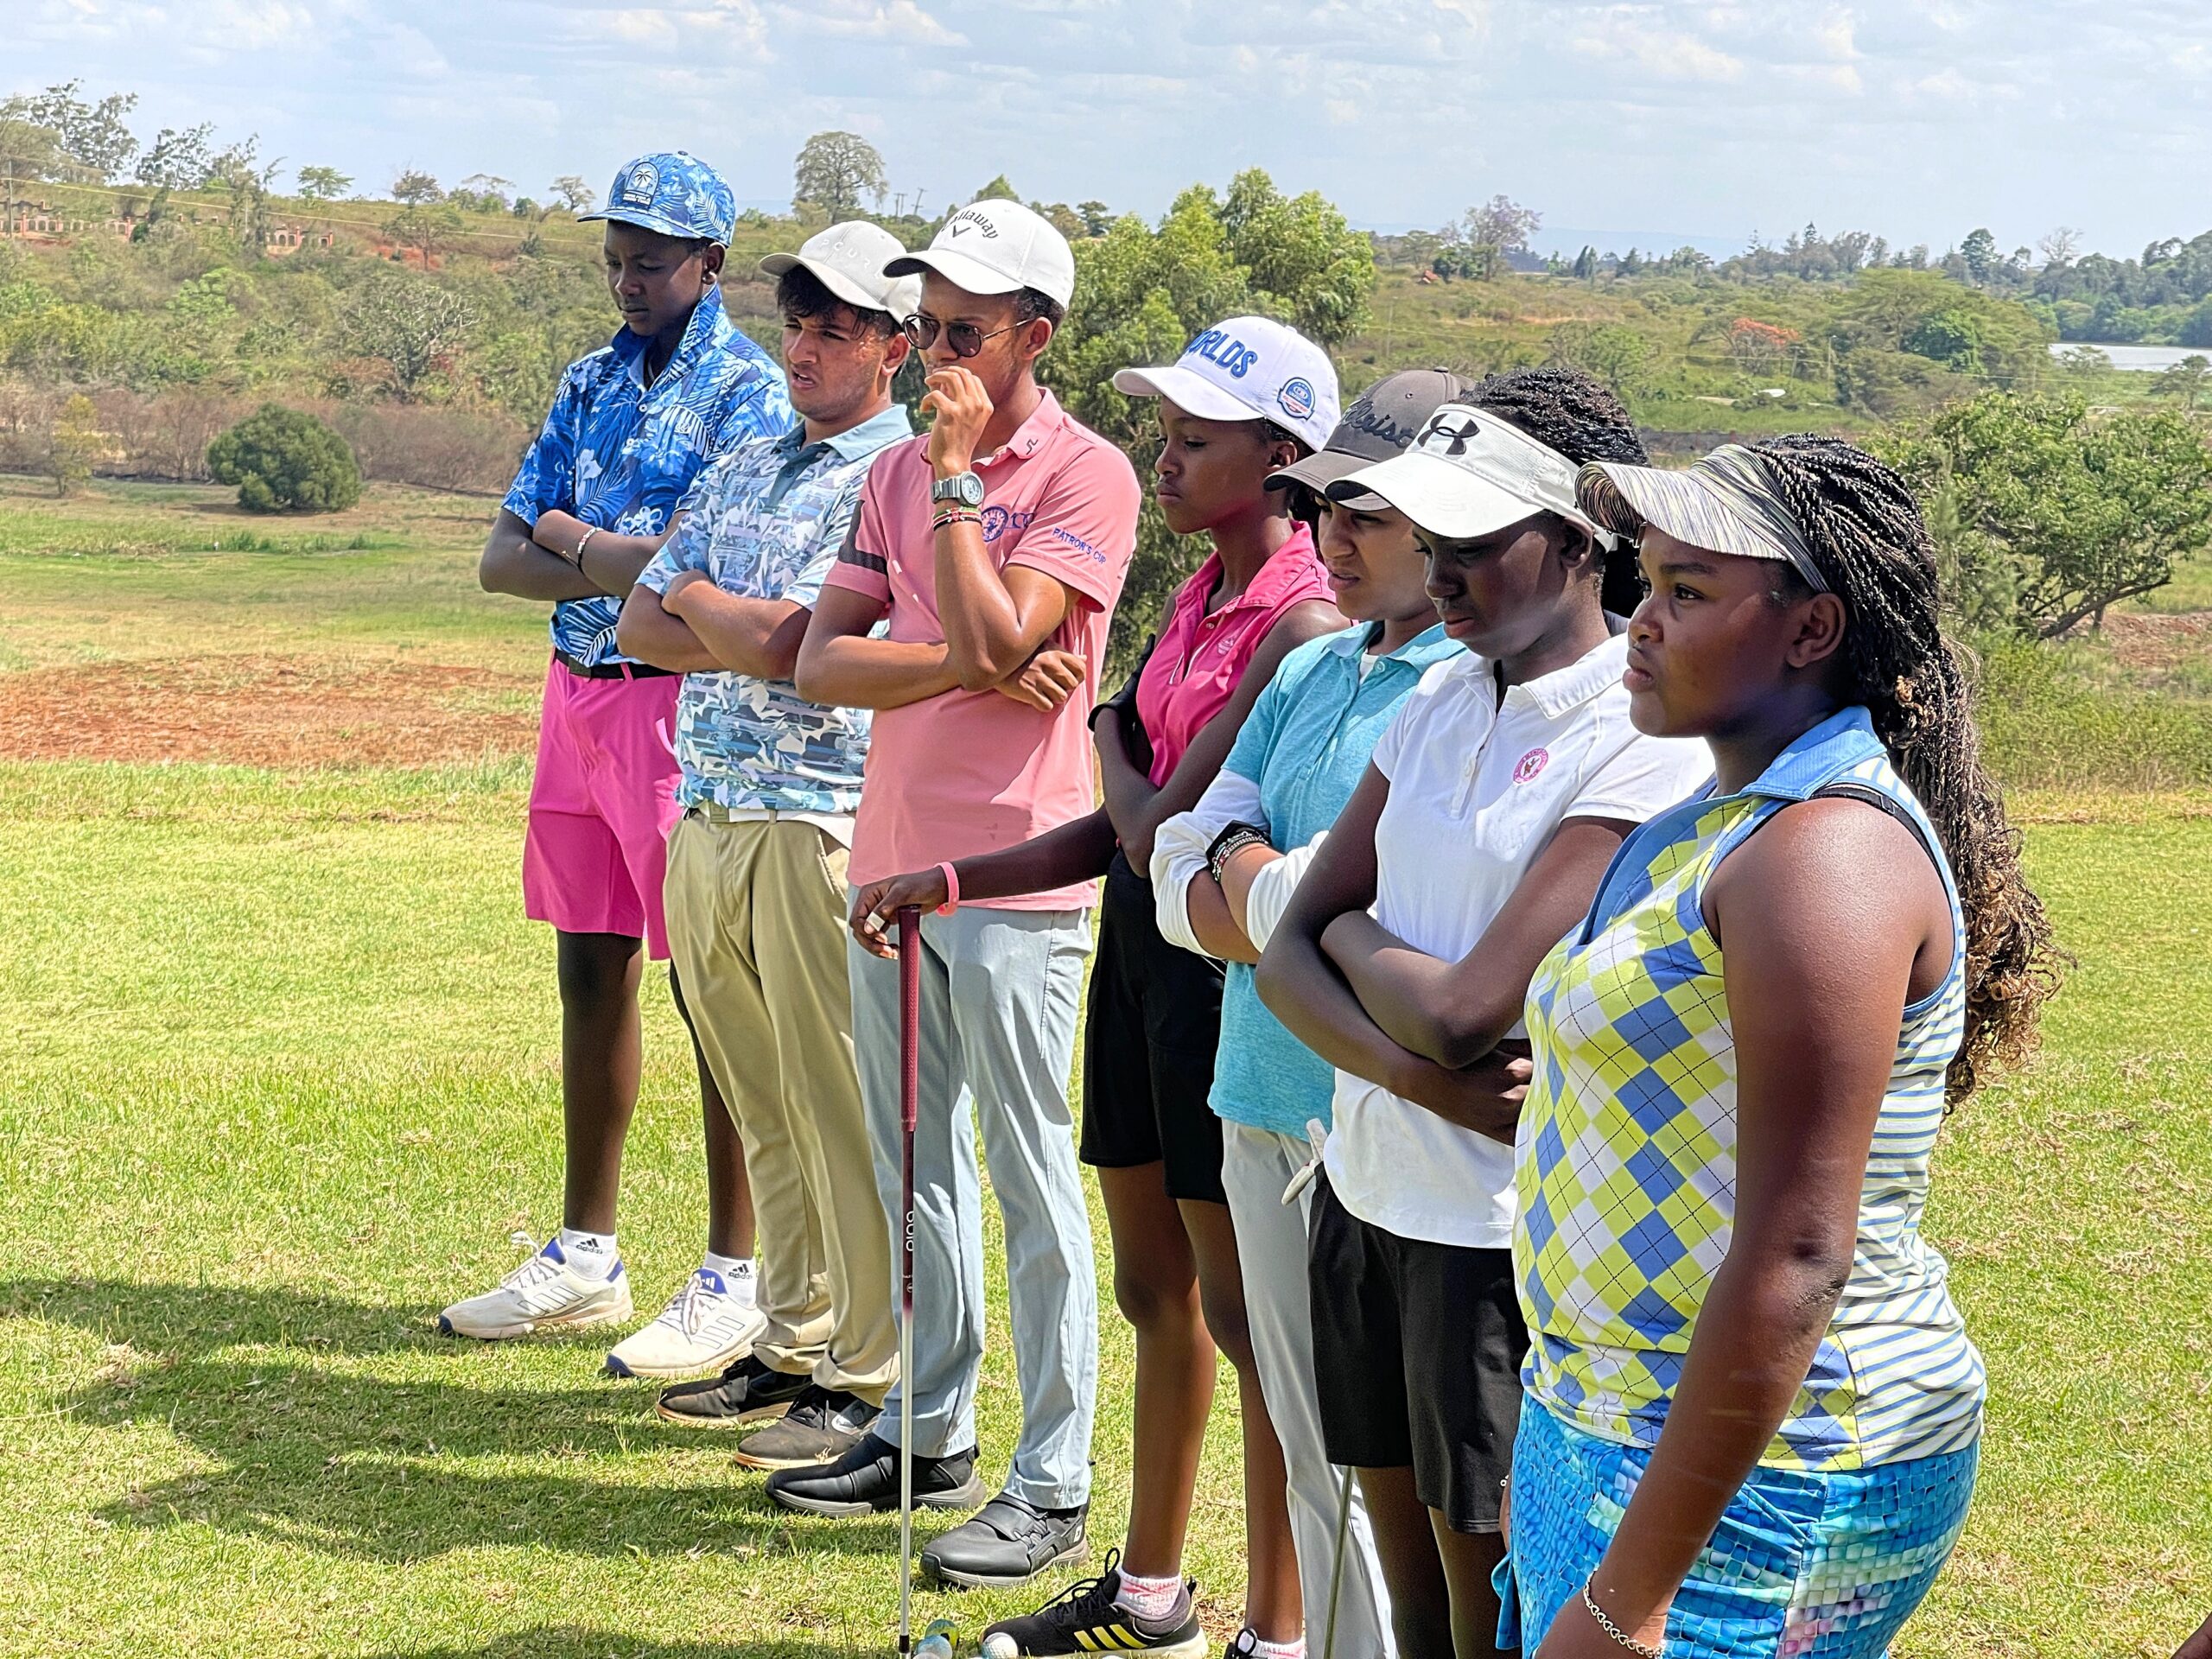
{"x":2157,"y":641}
{"x":259,"y":711}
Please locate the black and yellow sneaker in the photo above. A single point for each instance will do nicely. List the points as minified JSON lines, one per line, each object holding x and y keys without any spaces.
{"x":1086,"y":1617}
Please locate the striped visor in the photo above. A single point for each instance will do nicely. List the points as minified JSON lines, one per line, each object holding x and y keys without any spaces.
{"x":1726,"y":503}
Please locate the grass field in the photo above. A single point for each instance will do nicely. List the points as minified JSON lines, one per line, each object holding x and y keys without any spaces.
{"x":279,"y":1076}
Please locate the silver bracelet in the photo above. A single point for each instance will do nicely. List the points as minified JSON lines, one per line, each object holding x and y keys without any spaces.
{"x":1643,"y":1650}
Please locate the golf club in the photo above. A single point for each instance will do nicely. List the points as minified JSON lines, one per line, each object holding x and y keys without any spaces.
{"x":910,"y":1046}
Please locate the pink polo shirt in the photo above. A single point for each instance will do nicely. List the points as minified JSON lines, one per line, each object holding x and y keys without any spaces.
{"x":966,"y":772}
{"x":1201,"y":656}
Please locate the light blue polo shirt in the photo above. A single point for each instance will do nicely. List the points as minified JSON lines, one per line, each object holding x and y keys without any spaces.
{"x":1306,"y":746}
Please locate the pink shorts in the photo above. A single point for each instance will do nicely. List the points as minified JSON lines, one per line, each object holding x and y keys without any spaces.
{"x":601,"y":806}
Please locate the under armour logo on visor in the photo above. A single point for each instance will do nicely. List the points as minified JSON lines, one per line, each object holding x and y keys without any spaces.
{"x":1449,"y":435}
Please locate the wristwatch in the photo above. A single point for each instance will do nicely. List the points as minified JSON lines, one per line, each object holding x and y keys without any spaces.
{"x":965,"y":488}
{"x":1233,"y":840}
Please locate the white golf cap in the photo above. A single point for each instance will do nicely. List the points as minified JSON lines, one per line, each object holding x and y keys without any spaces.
{"x":1469,"y":473}
{"x":1247,"y":369}
{"x":996,"y":247}
{"x":849,"y":260}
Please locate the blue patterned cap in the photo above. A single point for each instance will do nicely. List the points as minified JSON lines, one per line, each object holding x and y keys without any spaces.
{"x":673,"y":193}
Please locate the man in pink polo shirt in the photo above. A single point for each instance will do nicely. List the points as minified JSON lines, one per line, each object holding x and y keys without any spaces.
{"x":996,"y":545}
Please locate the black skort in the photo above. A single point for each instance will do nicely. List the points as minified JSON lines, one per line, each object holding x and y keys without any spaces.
{"x":1417,"y":1352}
{"x":1149,"y":1036}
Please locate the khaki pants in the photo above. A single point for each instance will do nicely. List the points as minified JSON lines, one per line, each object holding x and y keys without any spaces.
{"x":756,"y":923}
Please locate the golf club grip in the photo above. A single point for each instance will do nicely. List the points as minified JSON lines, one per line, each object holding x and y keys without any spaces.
{"x":909,"y":1015}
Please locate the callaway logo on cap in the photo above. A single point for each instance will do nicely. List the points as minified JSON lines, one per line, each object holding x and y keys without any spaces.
{"x":1469,"y":474}
{"x":996,"y":247}
{"x":1247,"y":369}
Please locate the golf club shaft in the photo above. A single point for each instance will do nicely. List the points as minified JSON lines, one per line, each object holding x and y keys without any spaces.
{"x":1337,"y":1567}
{"x":910,"y":1043}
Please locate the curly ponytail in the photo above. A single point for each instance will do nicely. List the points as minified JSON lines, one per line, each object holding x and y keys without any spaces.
{"x":1873,"y":545}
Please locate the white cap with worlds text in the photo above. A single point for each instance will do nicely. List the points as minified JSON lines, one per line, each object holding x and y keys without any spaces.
{"x":1247,"y":369}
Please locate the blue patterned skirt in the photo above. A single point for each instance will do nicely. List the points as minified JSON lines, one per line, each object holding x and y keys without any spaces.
{"x":1802,"y":1566}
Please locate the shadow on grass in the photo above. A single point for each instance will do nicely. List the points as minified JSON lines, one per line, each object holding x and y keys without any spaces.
{"x":321,"y":1457}
{"x":577,"y":1641}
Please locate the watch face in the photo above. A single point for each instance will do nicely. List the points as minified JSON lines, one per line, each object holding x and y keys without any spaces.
{"x":970,"y":489}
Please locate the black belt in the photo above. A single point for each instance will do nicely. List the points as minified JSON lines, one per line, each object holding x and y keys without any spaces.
{"x":610,"y":670}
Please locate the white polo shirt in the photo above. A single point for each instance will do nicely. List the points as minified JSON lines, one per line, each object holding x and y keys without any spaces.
{"x":1475,"y":792}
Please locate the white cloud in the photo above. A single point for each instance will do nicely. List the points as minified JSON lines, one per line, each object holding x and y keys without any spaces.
{"x":1596,"y":111}
{"x":1667,"y":53}
{"x":883,"y":19}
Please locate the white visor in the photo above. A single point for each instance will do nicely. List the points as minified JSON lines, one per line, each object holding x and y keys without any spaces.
{"x":1469,"y":474}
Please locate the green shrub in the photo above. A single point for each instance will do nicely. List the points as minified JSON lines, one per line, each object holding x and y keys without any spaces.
{"x":285,"y":459}
{"x":2046,"y":724}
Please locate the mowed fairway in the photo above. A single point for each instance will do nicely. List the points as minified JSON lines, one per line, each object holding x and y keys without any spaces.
{"x":278,"y":1075}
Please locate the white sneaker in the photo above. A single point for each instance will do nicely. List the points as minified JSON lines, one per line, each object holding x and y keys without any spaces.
{"x":544,"y":1294}
{"x":707,"y":1326}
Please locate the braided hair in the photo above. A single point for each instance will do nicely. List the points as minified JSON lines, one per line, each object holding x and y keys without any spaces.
{"x":1871,"y":544}
{"x":1566,"y":410}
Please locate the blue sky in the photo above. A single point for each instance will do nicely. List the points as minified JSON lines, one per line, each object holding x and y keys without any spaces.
{"x":1919,"y":121}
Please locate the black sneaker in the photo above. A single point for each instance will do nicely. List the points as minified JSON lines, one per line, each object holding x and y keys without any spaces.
{"x":748,"y":1392}
{"x":822,"y":1426}
{"x":1009,"y":1542}
{"x":1086,"y":1617}
{"x":864,"y":1481}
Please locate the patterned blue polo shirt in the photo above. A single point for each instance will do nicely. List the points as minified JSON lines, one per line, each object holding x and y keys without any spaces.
{"x":620,"y":453}
{"x":765,"y":521}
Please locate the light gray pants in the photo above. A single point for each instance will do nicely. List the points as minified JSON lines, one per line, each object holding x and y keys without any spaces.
{"x":1001,"y":992}
{"x":1256,"y":1164}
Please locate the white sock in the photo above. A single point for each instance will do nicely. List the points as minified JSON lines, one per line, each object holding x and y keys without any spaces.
{"x":592,"y":1255}
{"x":1148,"y":1597}
{"x":737,"y":1274}
{"x":1264,"y":1649}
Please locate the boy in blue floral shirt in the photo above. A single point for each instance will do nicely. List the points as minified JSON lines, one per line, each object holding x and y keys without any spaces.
{"x":756,"y":864}
{"x":632,"y":426}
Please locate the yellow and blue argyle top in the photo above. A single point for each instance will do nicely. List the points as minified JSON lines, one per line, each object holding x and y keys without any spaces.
{"x":1625,"y":1158}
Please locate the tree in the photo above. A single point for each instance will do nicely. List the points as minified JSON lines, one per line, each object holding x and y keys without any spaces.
{"x":415,"y":188}
{"x":324,"y":183}
{"x":78,"y":441}
{"x":178,"y":158}
{"x":572,"y":193}
{"x":1585,"y":265}
{"x":2071,"y":512}
{"x":1147,"y":290}
{"x":285,"y":460}
{"x":1979,"y":251}
{"x":1493,"y":230}
{"x":253,"y":221}
{"x":2188,"y":380}
{"x":426,"y":227}
{"x":834,"y":170}
{"x":1096,"y":216}
{"x":91,"y":136}
{"x":409,"y":323}
{"x":2059,"y":246}
{"x":485,"y":193}
{"x":999,"y":189}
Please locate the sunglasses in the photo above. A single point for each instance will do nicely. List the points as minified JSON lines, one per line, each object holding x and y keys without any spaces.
{"x":965,"y":338}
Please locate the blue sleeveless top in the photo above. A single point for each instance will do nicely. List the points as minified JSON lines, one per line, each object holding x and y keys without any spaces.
{"x":1625,"y":1158}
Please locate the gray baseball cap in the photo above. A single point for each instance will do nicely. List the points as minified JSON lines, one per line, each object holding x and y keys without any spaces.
{"x":847,"y":259}
{"x":1381,"y":423}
